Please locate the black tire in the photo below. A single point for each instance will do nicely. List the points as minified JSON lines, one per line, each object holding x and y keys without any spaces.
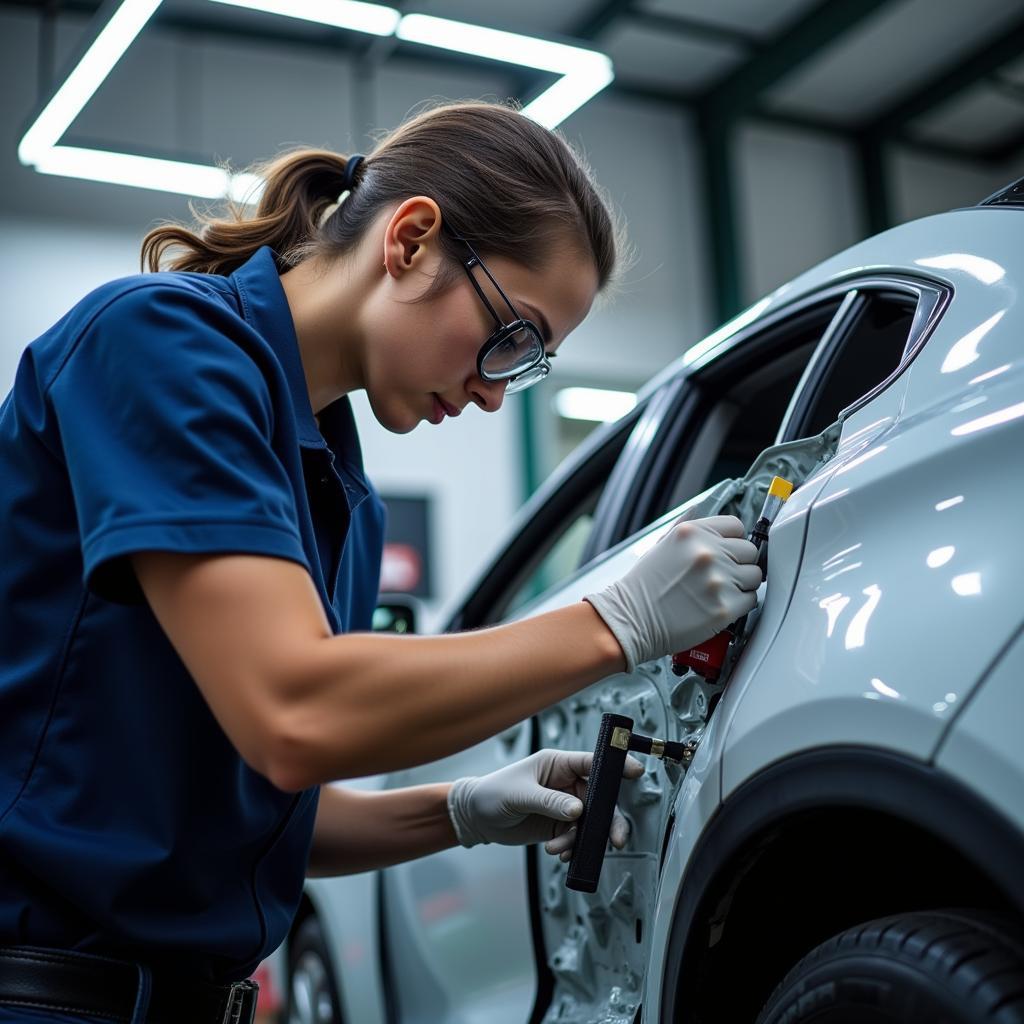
{"x":931,"y":967}
{"x":312,"y":989}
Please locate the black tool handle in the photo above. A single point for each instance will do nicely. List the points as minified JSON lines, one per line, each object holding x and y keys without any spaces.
{"x":602,"y":794}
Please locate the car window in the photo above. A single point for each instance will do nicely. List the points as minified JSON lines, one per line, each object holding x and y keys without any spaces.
{"x":561,"y":560}
{"x":733,"y":408}
{"x":548,"y":547}
{"x":868,"y":351}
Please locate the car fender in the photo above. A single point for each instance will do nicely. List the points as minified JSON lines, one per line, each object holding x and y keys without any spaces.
{"x":906,"y":537}
{"x":984,"y":743}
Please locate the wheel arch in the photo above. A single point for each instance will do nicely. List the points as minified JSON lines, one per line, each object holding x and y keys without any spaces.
{"x":814,"y":844}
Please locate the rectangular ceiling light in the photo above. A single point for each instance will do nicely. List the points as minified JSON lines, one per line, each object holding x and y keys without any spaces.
{"x":350,"y":14}
{"x":596,"y":404}
{"x":583,"y":73}
{"x":89,"y":74}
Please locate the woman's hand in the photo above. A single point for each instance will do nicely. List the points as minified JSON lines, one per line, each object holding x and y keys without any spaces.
{"x":534,"y":800}
{"x":700,"y":576}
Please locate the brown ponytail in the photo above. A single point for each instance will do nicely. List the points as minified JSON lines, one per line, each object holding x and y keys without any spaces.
{"x":510,"y":186}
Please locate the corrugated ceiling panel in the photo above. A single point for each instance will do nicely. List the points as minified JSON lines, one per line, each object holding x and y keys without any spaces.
{"x":540,"y":17}
{"x":648,"y":57}
{"x":761,"y":18}
{"x":867,"y":69}
{"x":980,"y":116}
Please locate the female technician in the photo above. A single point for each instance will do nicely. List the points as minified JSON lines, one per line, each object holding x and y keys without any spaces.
{"x":190,"y":545}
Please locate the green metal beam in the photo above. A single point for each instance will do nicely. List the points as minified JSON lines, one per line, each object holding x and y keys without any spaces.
{"x":528,"y":439}
{"x":875,"y":199}
{"x":700,"y":31}
{"x":595,"y":23}
{"x":1006,"y":149}
{"x":825,"y":22}
{"x":717,"y":138}
{"x":961,"y":73}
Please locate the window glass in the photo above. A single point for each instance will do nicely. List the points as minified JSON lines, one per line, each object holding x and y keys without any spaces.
{"x":560,"y":562}
{"x":551,"y":542}
{"x":743,"y":402}
{"x":870,"y":352}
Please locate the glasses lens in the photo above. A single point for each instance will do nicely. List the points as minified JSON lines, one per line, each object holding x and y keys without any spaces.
{"x":518,"y":349}
{"x":525,"y":380}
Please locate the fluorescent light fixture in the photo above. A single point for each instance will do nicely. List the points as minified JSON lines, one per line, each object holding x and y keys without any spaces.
{"x":595,"y":404}
{"x":375,"y":19}
{"x":148,"y":172}
{"x":140,"y":171}
{"x":568,"y":94}
{"x":493,"y":43}
{"x":78,"y":88}
{"x":584,"y":74}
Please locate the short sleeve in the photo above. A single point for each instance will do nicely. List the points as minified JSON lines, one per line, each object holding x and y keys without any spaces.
{"x":166,"y":422}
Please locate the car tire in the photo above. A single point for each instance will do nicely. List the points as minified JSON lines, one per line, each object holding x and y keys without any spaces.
{"x":931,"y":967}
{"x":312,"y":991}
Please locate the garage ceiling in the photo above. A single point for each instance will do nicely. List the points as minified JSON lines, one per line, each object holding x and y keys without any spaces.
{"x":941,"y":74}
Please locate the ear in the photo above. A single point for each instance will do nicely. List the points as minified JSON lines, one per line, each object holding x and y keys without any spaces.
{"x":410,"y":236}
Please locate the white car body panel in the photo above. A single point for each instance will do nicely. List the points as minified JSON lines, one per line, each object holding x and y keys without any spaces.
{"x":984,"y":744}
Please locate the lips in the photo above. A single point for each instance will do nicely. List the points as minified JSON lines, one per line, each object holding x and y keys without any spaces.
{"x":449,"y":409}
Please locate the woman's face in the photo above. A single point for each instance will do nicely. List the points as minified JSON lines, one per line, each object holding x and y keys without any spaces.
{"x":420,"y":361}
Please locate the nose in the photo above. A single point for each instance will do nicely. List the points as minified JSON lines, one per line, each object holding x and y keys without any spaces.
{"x":488,"y":394}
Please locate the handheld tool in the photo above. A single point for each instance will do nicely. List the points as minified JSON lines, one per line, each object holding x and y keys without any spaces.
{"x":707,"y":659}
{"x":614,"y":740}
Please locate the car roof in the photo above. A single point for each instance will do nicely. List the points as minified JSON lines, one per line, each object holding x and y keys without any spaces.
{"x":970,"y":250}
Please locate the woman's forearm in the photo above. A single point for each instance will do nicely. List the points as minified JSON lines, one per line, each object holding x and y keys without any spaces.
{"x":360,"y":831}
{"x":368,"y":703}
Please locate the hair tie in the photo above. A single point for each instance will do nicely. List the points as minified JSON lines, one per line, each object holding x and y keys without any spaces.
{"x":351,"y":170}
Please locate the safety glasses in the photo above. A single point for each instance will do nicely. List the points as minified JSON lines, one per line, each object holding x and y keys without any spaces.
{"x":514,"y":351}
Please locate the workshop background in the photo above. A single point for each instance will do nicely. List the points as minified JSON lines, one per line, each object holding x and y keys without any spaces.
{"x":742,"y":141}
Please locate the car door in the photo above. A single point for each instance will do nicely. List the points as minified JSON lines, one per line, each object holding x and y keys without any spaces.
{"x":458,"y":927}
{"x":776,"y":384}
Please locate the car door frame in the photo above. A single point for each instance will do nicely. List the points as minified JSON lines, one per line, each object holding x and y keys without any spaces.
{"x":683,"y":400}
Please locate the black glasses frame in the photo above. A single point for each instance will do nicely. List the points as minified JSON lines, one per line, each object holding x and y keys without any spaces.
{"x":538,"y":369}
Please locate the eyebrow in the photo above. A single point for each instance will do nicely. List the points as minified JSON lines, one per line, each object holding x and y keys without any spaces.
{"x":538,"y":315}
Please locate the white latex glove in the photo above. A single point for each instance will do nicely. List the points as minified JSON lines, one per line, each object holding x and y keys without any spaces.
{"x":533,"y":800}
{"x":698,"y":578}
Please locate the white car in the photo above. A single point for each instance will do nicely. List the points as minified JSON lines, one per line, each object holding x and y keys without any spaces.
{"x":847,"y":843}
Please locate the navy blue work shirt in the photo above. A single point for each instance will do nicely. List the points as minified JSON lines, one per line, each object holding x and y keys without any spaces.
{"x":163,"y":412}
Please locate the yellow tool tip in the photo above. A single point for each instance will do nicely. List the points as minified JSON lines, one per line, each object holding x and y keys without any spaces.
{"x":780,"y":488}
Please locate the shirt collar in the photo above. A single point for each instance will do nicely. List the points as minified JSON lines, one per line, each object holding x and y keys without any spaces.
{"x":265,"y":308}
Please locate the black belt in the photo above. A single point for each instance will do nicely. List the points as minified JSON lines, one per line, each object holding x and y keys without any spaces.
{"x":94,"y":986}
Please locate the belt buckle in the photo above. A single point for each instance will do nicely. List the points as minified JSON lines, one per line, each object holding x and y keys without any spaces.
{"x":241,"y":1008}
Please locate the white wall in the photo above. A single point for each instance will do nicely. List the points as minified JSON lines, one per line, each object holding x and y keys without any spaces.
{"x":796,"y":203}
{"x":922,"y":185}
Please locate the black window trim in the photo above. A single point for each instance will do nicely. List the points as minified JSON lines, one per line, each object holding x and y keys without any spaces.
{"x":616,"y":521}
{"x":682,"y":396}
{"x":614,"y":504}
{"x":931,"y":300}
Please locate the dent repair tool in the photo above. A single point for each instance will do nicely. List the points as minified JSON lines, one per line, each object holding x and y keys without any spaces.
{"x":614,"y":739}
{"x":707,"y":659}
